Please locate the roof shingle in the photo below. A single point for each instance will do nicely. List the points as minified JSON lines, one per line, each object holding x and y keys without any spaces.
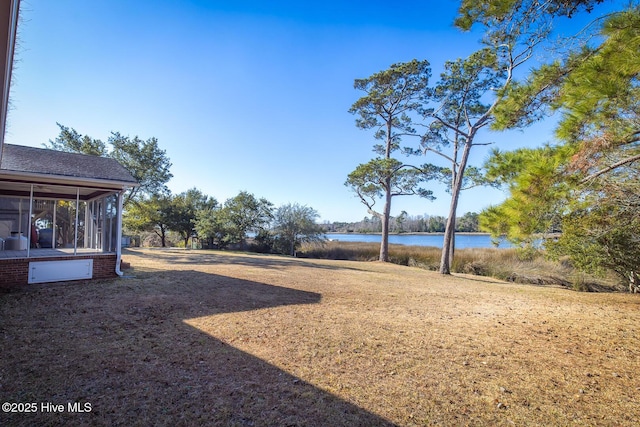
{"x":18,"y":158}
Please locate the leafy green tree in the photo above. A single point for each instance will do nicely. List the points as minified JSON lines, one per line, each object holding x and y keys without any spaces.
{"x":457,"y":110}
{"x":495,"y":12}
{"x":183,"y":210}
{"x":537,"y":194}
{"x":604,"y":236}
{"x":385,"y":179}
{"x":212,"y":225}
{"x":400,"y":220}
{"x":294,"y":224}
{"x":265,"y":242}
{"x":149,"y":215}
{"x":391,"y":98}
{"x":596,"y":90}
{"x":71,"y":141}
{"x":146,"y":162}
{"x":468,"y":223}
{"x":469,"y":92}
{"x":246,"y":213}
{"x":436,"y":224}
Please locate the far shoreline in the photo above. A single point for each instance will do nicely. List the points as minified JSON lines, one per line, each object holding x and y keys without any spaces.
{"x":413,"y":233}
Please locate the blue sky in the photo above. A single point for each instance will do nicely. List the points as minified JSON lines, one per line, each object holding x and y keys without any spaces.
{"x":242,"y":95}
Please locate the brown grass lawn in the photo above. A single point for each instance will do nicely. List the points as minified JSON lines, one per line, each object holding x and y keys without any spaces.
{"x":215,"y":338}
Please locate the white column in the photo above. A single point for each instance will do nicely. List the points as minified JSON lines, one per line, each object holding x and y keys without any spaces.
{"x":119,"y":232}
{"x":30,"y":227}
{"x":75,"y":233}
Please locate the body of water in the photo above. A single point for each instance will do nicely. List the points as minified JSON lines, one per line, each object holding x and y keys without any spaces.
{"x":462,"y":240}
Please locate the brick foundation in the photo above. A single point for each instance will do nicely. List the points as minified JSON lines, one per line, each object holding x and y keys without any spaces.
{"x":15,"y":271}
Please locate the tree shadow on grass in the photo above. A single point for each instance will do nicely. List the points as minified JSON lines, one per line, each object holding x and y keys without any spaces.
{"x":124,"y":348}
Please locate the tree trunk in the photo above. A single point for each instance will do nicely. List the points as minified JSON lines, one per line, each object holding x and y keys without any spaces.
{"x":384,"y":243}
{"x":163,"y":237}
{"x":452,"y":247}
{"x":448,"y":245}
{"x":449,"y":236}
{"x":633,"y":282}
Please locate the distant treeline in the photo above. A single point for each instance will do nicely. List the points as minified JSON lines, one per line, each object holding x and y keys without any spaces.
{"x":405,"y":223}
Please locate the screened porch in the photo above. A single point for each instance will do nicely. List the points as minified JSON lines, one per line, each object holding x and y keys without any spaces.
{"x":46,"y":220}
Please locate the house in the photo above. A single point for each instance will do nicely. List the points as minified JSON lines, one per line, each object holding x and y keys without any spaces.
{"x":60,"y":213}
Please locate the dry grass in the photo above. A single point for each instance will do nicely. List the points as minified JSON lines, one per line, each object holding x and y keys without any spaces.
{"x":212,"y":338}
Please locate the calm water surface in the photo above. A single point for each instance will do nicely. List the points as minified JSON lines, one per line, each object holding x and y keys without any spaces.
{"x":462,"y":240}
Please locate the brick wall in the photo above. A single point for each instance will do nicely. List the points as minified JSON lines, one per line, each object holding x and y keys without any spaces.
{"x":104,"y":266}
{"x":15,"y":271}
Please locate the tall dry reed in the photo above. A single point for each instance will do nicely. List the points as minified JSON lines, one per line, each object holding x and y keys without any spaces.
{"x":506,"y":264}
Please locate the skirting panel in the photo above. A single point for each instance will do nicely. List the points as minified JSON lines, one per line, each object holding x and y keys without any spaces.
{"x":56,"y":271}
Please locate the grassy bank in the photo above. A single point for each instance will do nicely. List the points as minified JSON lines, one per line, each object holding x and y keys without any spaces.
{"x":504,"y":264}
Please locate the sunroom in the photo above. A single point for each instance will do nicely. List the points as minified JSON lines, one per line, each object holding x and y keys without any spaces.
{"x":60,"y":215}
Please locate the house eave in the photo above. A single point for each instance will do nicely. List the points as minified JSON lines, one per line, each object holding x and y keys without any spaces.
{"x":43,"y":186}
{"x":37,"y":178}
{"x":9,"y":11}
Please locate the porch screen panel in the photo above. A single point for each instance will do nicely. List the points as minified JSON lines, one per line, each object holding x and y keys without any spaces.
{"x":14,"y":217}
{"x":95,"y":224}
{"x":43,"y":216}
{"x":111,"y":223}
{"x":66,"y":223}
